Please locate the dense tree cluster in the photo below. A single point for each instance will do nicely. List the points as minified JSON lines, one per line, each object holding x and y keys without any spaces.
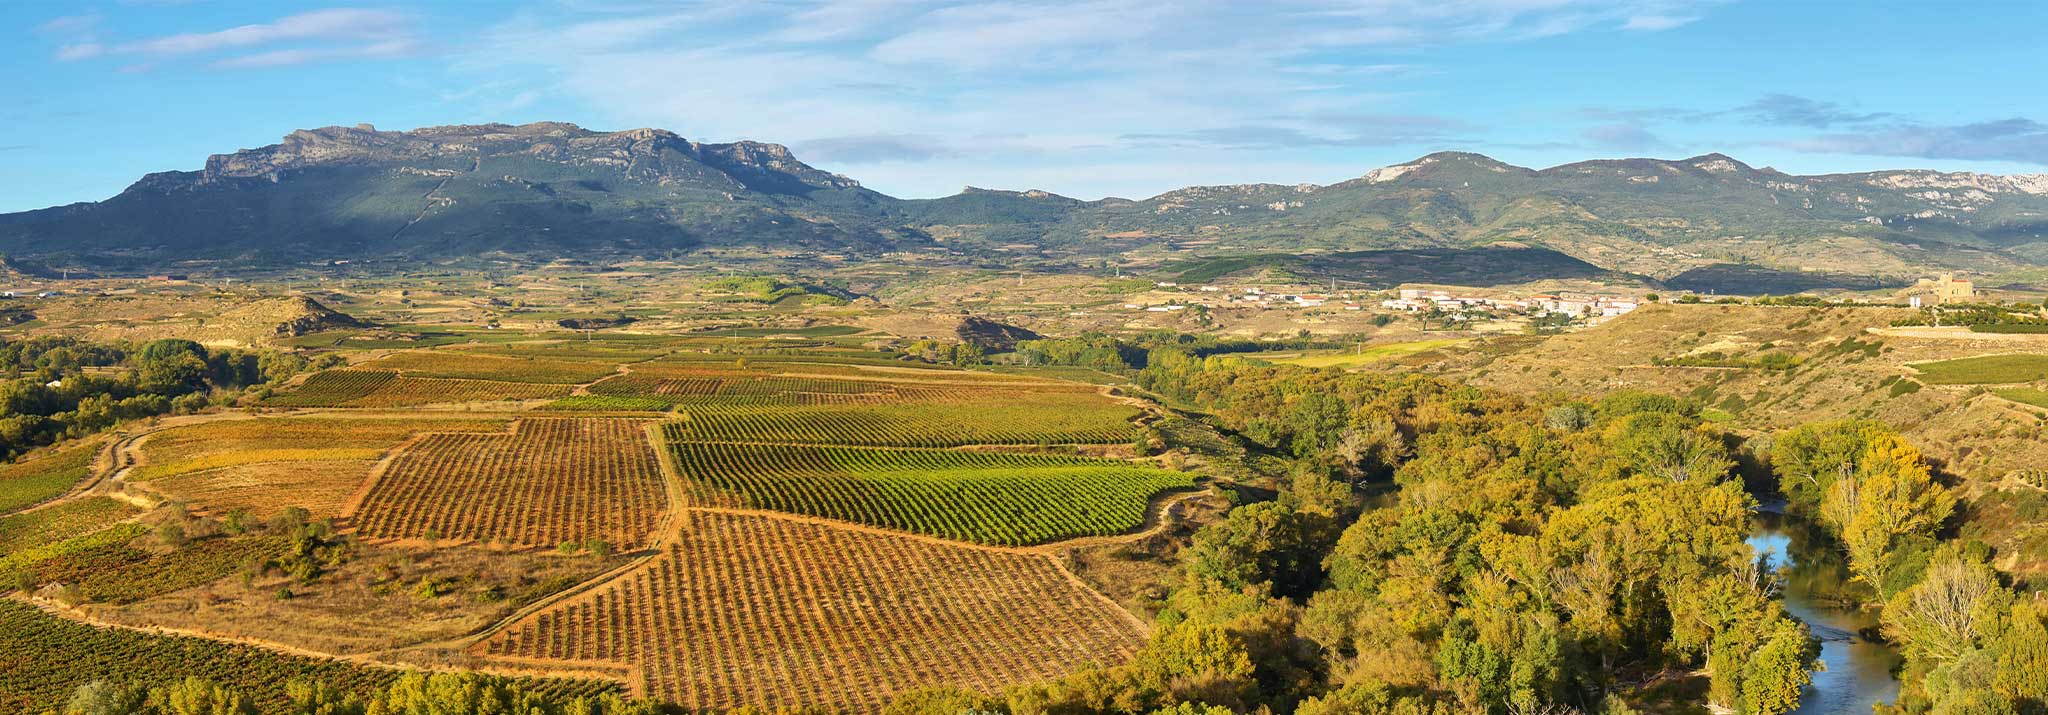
{"x":57,"y":388}
{"x":1440,"y":549}
{"x":412,"y":694}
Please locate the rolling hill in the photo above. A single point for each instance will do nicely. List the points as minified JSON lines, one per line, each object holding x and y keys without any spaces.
{"x":551,"y":190}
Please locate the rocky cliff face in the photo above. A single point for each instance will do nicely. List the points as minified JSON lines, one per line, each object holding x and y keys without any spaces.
{"x":543,"y":190}
{"x":552,"y":190}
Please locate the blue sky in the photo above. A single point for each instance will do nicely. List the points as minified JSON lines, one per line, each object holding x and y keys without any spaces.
{"x":1082,"y":97}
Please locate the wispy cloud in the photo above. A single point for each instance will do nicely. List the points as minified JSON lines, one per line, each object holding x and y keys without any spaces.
{"x":2017,"y":140}
{"x":1624,"y":137}
{"x":874,"y":148}
{"x":1791,"y":110}
{"x":319,"y":35}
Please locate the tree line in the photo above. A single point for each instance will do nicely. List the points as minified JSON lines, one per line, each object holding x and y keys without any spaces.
{"x":57,"y":388}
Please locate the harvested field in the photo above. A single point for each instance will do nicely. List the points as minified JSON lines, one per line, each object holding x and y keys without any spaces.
{"x":547,"y":482}
{"x":322,"y":487}
{"x":980,"y":497}
{"x":851,"y":618}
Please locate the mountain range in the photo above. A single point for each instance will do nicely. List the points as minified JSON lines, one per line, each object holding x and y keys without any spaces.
{"x":551,"y":190}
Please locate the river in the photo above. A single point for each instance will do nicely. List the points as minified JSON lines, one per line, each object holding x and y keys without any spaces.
{"x":1859,"y":670}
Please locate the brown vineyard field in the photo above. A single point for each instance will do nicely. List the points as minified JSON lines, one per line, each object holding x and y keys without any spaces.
{"x":547,"y":482}
{"x":759,"y":610}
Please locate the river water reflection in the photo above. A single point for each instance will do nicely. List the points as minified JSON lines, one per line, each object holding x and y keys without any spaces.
{"x":1859,"y":670}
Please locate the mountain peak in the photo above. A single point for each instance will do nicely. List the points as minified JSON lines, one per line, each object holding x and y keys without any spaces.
{"x":1719,"y":163}
{"x":1441,"y":159}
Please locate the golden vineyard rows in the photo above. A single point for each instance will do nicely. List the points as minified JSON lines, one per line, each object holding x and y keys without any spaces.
{"x":549,"y":481}
{"x":752,"y":610}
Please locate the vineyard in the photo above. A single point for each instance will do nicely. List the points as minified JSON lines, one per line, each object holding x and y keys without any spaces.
{"x":549,"y":481}
{"x":232,"y":444}
{"x":45,"y":475}
{"x":1985,"y":370}
{"x":822,"y":385}
{"x":1081,"y":419}
{"x":60,"y":521}
{"x":468,"y":365}
{"x":381,"y":388}
{"x":762,"y":611}
{"x":42,"y":658}
{"x":980,"y":497}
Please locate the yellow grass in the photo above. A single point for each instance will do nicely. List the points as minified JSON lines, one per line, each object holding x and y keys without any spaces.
{"x":1370,"y":354}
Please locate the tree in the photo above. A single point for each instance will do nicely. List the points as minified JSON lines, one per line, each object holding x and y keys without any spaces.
{"x":199,"y":696}
{"x":1810,"y":458}
{"x":312,"y":697}
{"x":101,"y":697}
{"x":1941,"y":618}
{"x":1775,"y":674}
{"x":2022,"y":656}
{"x":1891,"y":495}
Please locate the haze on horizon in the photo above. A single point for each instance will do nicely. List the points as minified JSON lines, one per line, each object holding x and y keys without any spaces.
{"x":1086,"y":98}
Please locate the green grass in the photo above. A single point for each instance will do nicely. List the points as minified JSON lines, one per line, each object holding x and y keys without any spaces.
{"x":815,"y":331}
{"x":1367,"y":355}
{"x":119,"y":573}
{"x":2024,"y":395}
{"x":979,"y":497}
{"x":2018,"y":328}
{"x":611,"y":403}
{"x":60,"y":522}
{"x":1986,"y":370}
{"x":45,"y":475}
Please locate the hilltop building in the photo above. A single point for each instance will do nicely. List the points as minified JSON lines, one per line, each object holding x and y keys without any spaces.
{"x":1945,"y":290}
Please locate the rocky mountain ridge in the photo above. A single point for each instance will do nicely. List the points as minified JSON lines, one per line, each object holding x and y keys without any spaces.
{"x":552,"y":190}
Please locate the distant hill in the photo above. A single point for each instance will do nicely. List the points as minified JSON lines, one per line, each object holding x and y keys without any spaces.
{"x":543,"y":191}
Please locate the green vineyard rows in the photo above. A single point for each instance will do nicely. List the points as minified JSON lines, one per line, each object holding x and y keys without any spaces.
{"x":1065,"y":421}
{"x":42,"y":658}
{"x":980,"y":497}
{"x":44,"y":476}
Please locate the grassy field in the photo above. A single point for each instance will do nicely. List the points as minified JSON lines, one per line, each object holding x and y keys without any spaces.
{"x":750,"y":610}
{"x":45,"y":475}
{"x":1986,"y":370}
{"x":1365,"y":355}
{"x":2024,"y":395}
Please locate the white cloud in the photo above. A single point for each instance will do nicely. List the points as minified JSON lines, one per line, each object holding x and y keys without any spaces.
{"x":861,"y":84}
{"x":1654,"y":23}
{"x":318,"y":35}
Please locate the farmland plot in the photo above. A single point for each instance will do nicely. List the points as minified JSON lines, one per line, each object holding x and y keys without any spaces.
{"x":266,"y":464}
{"x":980,"y":497}
{"x":381,"y":388}
{"x":469,"y":365}
{"x":1081,"y":419}
{"x":769,"y":612}
{"x":548,"y":481}
{"x":45,"y":475}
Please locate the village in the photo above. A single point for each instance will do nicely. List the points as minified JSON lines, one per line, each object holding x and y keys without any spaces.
{"x":1438,"y":303}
